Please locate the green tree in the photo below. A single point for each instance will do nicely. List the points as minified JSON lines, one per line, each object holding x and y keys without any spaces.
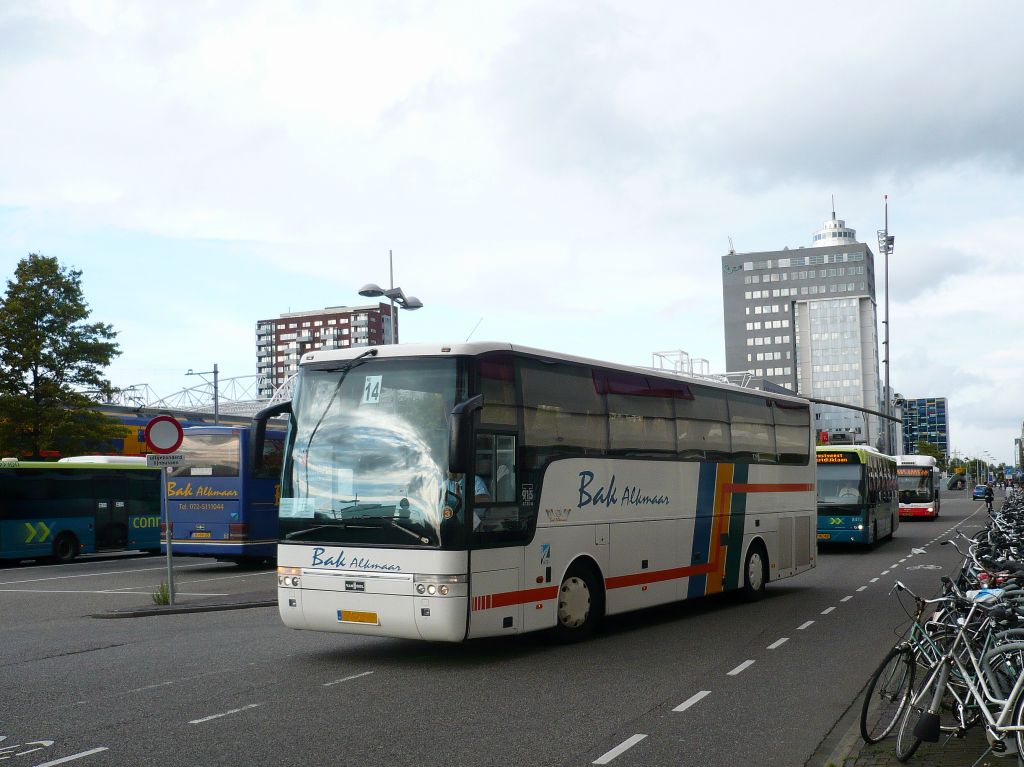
{"x":928,"y":448}
{"x":49,"y":356}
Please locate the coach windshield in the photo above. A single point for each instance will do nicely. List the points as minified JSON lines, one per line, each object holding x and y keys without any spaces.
{"x":367,"y":455}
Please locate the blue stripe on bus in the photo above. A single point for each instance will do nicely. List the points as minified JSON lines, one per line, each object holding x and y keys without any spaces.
{"x":702,"y":524}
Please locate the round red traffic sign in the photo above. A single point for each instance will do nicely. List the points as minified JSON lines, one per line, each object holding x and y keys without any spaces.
{"x":164,"y":434}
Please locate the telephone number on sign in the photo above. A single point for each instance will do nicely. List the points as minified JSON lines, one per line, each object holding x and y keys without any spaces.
{"x":203,"y":506}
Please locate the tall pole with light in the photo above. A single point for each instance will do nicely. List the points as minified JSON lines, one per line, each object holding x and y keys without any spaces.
{"x":216,"y":396}
{"x":885,"y":246}
{"x":395,"y":295}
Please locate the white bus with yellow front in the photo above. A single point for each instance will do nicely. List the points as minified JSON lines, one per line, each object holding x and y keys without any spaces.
{"x":596,"y":489}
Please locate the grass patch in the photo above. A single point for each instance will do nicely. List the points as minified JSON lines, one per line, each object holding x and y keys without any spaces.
{"x":162,"y":596}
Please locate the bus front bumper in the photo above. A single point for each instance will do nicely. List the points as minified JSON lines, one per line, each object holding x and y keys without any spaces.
{"x":926,"y":512}
{"x":834,"y":535}
{"x":439,"y":619}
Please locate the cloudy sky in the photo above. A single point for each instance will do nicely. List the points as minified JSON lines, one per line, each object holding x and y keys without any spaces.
{"x":566,"y":174}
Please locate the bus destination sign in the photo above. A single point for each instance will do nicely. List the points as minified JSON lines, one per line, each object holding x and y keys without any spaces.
{"x":912,"y":471}
{"x":837,"y":457}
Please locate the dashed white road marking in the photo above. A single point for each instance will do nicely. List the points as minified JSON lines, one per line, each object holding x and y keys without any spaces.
{"x":692,"y":700}
{"x":864,"y":587}
{"x":620,"y":749}
{"x":827,"y":610}
{"x":741,"y":668}
{"x":778,"y":643}
{"x":347,"y":679}
{"x":846,"y":599}
{"x":874,"y":580}
{"x":895,"y":566}
{"x":804,"y":625}
{"x":225,"y":713}
{"x":71,"y":758}
{"x":885,"y":572}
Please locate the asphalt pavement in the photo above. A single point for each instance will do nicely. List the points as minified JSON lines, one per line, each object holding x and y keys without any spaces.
{"x":710,"y":682}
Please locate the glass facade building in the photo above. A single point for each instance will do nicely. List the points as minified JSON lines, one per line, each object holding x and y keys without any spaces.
{"x":925,"y":420}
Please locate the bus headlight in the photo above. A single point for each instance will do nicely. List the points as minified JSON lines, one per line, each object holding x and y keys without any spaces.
{"x":288,"y":576}
{"x":436,"y":585}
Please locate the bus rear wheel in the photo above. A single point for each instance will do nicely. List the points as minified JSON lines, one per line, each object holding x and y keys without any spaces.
{"x":65,"y":548}
{"x":755,"y":573}
{"x":580,"y":604}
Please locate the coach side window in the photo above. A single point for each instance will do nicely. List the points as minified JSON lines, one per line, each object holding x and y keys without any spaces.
{"x":562,"y":408}
{"x":640,"y":412}
{"x":792,"y":432}
{"x":702,"y":425}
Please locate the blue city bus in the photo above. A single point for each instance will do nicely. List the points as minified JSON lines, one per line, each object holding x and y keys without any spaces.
{"x":51,"y":510}
{"x":857,"y":495}
{"x":219,"y":504}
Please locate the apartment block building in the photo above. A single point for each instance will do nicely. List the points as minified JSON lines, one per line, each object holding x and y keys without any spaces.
{"x":282,"y":341}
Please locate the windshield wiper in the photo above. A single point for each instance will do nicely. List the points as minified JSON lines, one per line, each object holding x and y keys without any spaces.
{"x":385,"y":522}
{"x":314,"y":529}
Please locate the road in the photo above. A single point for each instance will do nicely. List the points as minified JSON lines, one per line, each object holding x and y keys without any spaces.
{"x":710,"y":682}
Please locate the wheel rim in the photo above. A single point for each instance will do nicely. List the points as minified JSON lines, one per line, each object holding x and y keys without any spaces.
{"x":755,"y":571}
{"x":63,"y":548}
{"x":573,"y":602}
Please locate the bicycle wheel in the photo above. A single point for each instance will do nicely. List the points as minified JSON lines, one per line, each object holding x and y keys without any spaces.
{"x":887,"y":694}
{"x":906,"y":742}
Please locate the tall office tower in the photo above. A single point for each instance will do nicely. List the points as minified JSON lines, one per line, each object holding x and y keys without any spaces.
{"x":927,"y":420}
{"x":281,"y":342}
{"x":805,"y":319}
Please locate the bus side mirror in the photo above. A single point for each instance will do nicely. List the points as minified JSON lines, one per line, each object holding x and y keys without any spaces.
{"x":460,"y":443}
{"x":259,"y":433}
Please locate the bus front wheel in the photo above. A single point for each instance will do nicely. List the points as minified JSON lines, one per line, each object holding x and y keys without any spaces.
{"x":580,"y":604}
{"x":65,"y":548}
{"x":755,"y":573}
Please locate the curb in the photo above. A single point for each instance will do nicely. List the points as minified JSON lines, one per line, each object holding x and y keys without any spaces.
{"x":146,"y":612}
{"x":847,"y":744}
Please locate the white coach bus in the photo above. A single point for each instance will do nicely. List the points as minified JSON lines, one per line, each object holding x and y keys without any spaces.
{"x":596,"y":489}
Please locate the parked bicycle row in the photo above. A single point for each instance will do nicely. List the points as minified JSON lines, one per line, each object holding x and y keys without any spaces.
{"x":960,"y":662}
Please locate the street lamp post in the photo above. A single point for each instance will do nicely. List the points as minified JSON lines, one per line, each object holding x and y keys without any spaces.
{"x":216,"y":398}
{"x":395,"y":295}
{"x":885,"y":246}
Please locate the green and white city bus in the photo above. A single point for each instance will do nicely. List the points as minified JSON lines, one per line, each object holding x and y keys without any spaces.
{"x":857,"y":495}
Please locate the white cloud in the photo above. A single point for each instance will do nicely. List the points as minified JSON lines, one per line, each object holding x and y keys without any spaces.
{"x":570,"y":173}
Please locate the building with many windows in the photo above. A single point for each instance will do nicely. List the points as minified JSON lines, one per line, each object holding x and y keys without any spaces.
{"x":805,"y":319}
{"x":925,"y":420}
{"x":281,"y":342}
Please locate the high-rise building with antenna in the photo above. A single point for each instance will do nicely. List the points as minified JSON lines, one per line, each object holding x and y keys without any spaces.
{"x":806,"y":319}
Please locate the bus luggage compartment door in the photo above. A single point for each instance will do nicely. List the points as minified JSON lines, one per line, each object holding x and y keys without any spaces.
{"x":493,"y":606}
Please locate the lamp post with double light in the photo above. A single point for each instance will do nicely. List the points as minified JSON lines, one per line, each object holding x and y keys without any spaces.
{"x":393,"y":294}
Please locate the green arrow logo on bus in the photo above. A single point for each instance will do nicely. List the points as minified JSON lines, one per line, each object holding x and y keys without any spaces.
{"x":39,"y":529}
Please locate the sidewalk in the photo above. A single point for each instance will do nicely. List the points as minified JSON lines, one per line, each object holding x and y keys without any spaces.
{"x":243,"y":601}
{"x":955,"y":752}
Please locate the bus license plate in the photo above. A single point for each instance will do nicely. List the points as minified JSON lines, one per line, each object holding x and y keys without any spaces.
{"x":824,"y":536}
{"x":355,"y":616}
{"x":206,"y":534}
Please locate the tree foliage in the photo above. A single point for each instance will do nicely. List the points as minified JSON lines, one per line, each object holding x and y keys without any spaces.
{"x":50,"y":355}
{"x":928,"y":448}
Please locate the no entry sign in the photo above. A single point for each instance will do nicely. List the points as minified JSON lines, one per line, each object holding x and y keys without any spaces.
{"x":164,"y":434}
